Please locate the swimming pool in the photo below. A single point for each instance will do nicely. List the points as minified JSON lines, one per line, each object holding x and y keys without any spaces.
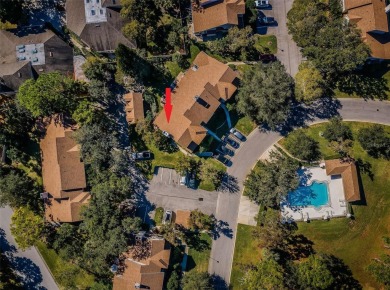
{"x":315,"y":194}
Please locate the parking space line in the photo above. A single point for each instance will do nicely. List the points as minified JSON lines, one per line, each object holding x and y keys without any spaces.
{"x":162,"y":172}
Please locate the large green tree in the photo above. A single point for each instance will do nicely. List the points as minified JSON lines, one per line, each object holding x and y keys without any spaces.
{"x":107,"y":224}
{"x":26,"y":227}
{"x":375,"y":141}
{"x":50,"y":94}
{"x":309,"y":83}
{"x":196,"y":281}
{"x":302,"y":146}
{"x":314,"y":273}
{"x":270,"y":181}
{"x":266,"y":274}
{"x":265,"y":94}
{"x":336,"y":130}
{"x":200,"y":221}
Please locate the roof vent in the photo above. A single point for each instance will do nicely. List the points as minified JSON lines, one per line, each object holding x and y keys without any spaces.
{"x":19,"y":74}
{"x":194,"y":67}
{"x":50,"y":53}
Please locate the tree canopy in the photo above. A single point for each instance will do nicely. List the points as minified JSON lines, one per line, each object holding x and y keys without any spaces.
{"x":270,"y":181}
{"x":201,"y":221}
{"x":314,"y":273}
{"x":11,"y":11}
{"x":26,"y":227}
{"x":375,"y":141}
{"x":336,"y":130}
{"x":51,"y":93}
{"x":265,"y":94}
{"x":196,"y":281}
{"x":309,"y":83}
{"x":302,"y":146}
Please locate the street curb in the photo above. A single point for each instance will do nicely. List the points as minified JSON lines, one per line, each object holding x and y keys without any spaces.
{"x":47,"y":267}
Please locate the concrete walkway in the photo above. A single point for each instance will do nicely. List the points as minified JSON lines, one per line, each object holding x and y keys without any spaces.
{"x":28,"y":264}
{"x":258,"y":143}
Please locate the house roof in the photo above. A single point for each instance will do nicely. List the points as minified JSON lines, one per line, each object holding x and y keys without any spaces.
{"x":63,"y":174}
{"x":102,"y":36}
{"x":134,"y":107}
{"x":349,"y":175}
{"x":57,"y":54}
{"x":146,"y":272}
{"x":182,"y":218}
{"x":207,"y":81}
{"x":211,"y":15}
{"x":370,"y":16}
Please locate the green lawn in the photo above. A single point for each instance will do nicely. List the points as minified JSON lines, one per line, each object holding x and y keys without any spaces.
{"x":357,"y":241}
{"x":158,"y":216}
{"x":173,"y":68}
{"x":266,"y":44}
{"x":198,"y":260}
{"x":246,"y":252}
{"x":58,"y":266}
{"x":194,"y":51}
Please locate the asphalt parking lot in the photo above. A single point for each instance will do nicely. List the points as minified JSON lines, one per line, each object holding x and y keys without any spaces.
{"x":165,"y":191}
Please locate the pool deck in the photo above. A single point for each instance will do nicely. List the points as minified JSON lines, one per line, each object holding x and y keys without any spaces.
{"x":337,"y":206}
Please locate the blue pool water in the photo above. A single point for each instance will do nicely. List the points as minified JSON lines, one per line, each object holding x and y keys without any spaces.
{"x":315,"y":194}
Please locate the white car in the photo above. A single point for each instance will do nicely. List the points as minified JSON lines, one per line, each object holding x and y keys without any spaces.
{"x":262,"y":3}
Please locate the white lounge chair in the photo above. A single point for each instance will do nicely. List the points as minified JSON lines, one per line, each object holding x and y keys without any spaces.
{"x":306,"y":219}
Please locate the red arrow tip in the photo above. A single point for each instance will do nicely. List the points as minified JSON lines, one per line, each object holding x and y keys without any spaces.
{"x":168,"y":111}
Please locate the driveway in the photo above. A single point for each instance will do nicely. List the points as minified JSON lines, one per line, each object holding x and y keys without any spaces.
{"x":245,"y":159}
{"x":165,"y":191}
{"x":28,"y":264}
{"x":288,"y":52}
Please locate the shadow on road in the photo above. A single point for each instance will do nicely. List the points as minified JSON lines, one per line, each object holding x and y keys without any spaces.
{"x":28,"y":273}
{"x":229,"y":184}
{"x":221,"y":227}
{"x":219,"y":283}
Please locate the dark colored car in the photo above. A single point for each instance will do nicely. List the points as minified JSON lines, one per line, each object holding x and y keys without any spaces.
{"x":141,"y":155}
{"x":226,"y":151}
{"x":232,"y":143}
{"x":267,"y":20}
{"x":267,"y":58}
{"x":238,"y":134}
{"x":223,"y":160}
{"x":192,"y":180}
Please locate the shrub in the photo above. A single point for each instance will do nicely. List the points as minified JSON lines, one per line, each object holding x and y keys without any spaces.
{"x":302,"y":146}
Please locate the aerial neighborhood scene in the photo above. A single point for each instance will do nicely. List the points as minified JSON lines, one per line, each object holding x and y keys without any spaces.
{"x":194,"y":144}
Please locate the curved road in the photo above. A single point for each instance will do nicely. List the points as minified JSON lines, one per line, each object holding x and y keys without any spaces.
{"x":28,"y":264}
{"x":258,"y":142}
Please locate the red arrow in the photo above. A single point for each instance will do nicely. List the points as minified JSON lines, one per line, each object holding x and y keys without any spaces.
{"x":168,"y":106}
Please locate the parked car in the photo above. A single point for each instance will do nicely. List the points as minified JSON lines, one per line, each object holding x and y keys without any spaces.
{"x":262,"y":4}
{"x":226,"y":151}
{"x":144,"y":155}
{"x":223,"y":160}
{"x":232,"y":143}
{"x":183,"y":180}
{"x":266,"y":20}
{"x":167,"y":217}
{"x":266,"y":58}
{"x":237,"y":134}
{"x":192,"y":180}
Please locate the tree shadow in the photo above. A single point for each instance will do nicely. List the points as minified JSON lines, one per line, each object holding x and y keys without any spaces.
{"x":342,"y":274}
{"x":218,"y":282}
{"x":300,"y":247}
{"x":363,"y":167}
{"x":221,"y":227}
{"x":194,"y":241}
{"x":5,"y":246}
{"x":365,"y":86}
{"x":229,"y":184}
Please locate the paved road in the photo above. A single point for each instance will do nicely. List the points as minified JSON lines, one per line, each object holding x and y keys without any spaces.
{"x":28,"y":264}
{"x":258,"y":142}
{"x":288,"y":52}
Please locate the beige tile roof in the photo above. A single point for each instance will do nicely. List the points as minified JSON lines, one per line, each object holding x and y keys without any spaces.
{"x":63,"y":174}
{"x":348,"y":173}
{"x":145,"y":272}
{"x":211,"y":81}
{"x":219,"y":14}
{"x":370,"y":15}
{"x":134,"y":107}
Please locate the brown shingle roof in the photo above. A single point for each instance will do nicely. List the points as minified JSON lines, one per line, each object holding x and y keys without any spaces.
{"x":102,"y":37}
{"x":211,"y":81}
{"x":182,"y":218}
{"x":348,"y":173}
{"x":63,"y":175}
{"x":58,"y":54}
{"x":218,"y":14}
{"x":134,"y":107}
{"x":370,"y":16}
{"x":146,"y":272}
